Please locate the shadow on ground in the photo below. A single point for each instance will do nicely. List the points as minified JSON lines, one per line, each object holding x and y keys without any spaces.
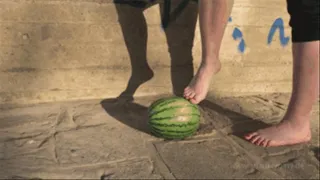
{"x":128,"y":112}
{"x":223,"y":118}
{"x":316,"y":151}
{"x":179,"y":35}
{"x":135,"y":116}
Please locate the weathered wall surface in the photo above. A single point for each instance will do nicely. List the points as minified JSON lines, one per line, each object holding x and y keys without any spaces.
{"x":80,"y":49}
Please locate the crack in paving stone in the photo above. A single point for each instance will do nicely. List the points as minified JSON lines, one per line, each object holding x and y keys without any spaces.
{"x":156,"y":159}
{"x":194,"y":141}
{"x":55,"y":148}
{"x":24,"y":137}
{"x":87,"y":127}
{"x":44,"y":141}
{"x":95,"y":113}
{"x":163,"y":161}
{"x":282,"y":99}
{"x":269,"y":102}
{"x":300,"y":167}
{"x":65,"y":121}
{"x":287,"y":162}
{"x":254,"y":159}
{"x":205,"y":156}
{"x":279,"y":151}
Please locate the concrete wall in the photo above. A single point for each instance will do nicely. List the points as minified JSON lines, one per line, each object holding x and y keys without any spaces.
{"x":53,"y":50}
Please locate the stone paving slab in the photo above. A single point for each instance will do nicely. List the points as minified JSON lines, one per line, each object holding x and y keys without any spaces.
{"x":302,"y":167}
{"x":283,"y":100}
{"x":141,"y":168}
{"x":37,"y":151}
{"x":251,"y":106}
{"x":254,"y":112}
{"x":110,"y":139}
{"x":214,"y":158}
{"x":27,"y":122}
{"x":98,"y":144}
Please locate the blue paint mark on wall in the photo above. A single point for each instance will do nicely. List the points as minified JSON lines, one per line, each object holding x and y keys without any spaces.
{"x":278,"y":24}
{"x":170,"y":15}
{"x":237,"y":34}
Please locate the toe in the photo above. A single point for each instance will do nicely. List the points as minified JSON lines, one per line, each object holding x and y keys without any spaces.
{"x":196,"y":99}
{"x":187,"y":94}
{"x":273,"y":143}
{"x":255,"y":139}
{"x":263,"y":143}
{"x":192,"y":98}
{"x":250,"y":135}
{"x":259,"y":142}
{"x":186,"y":90}
{"x":266,"y":143}
{"x":192,"y":95}
{"x":193,"y":101}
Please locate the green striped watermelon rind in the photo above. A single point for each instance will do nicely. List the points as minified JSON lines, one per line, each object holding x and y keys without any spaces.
{"x":157,"y":102}
{"x":168,"y":100}
{"x":167,"y":132}
{"x":172,"y":136}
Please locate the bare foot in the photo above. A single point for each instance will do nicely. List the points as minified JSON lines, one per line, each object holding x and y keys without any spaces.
{"x":287,"y":132}
{"x":198,"y":88}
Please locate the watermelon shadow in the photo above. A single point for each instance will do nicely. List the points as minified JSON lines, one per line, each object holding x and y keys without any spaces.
{"x":129,"y":113}
{"x":230,"y":122}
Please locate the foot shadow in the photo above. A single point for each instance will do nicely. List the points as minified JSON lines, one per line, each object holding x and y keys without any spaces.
{"x":240,"y":124}
{"x":129,"y":113}
{"x":316,"y":151}
{"x":179,"y":35}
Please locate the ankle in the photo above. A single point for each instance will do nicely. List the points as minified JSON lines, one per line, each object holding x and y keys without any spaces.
{"x":301,"y":121}
{"x":213,"y":65}
{"x":297,"y":113}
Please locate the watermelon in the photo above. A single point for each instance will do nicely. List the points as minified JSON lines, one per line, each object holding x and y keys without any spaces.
{"x":173,"y":118}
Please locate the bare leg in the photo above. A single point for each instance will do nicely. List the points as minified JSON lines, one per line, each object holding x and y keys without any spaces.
{"x":213,"y":19}
{"x":180,"y":45}
{"x":295,"y":126}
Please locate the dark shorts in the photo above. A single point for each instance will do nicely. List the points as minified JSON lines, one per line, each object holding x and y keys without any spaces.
{"x":304,"y":19}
